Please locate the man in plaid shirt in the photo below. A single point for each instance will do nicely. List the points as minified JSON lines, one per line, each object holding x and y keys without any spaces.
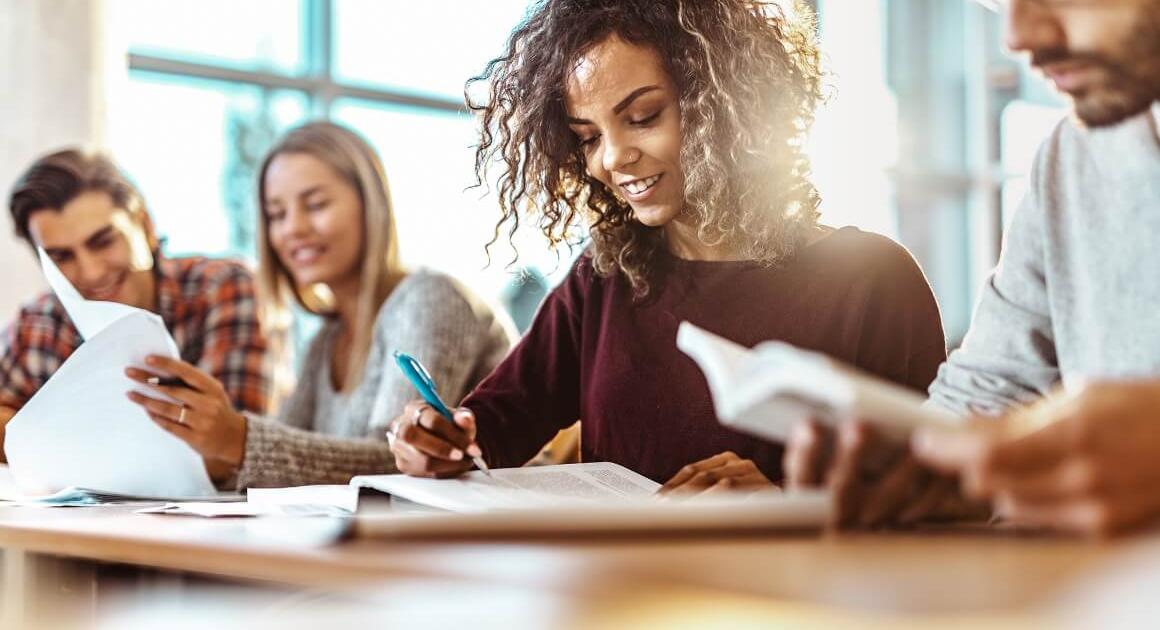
{"x":92,"y":222}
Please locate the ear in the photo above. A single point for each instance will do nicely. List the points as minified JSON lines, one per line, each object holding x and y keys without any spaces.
{"x":145,"y":220}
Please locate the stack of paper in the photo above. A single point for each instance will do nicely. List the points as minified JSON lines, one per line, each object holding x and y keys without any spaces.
{"x":768,"y":390}
{"x":590,"y":498}
{"x":319,"y":500}
{"x":80,"y":430}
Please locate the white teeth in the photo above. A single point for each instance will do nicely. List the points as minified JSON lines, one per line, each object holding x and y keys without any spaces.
{"x":305,"y":253}
{"x":638,"y":186}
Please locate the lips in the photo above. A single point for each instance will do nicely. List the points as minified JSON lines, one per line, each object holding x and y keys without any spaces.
{"x":1067,"y":77}
{"x":641,"y":188}
{"x":107,"y":291}
{"x":301,"y":255}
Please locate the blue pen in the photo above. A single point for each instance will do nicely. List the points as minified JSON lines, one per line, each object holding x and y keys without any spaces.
{"x":421,"y":379}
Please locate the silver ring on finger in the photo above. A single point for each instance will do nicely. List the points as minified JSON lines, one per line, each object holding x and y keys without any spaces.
{"x":181,"y":416}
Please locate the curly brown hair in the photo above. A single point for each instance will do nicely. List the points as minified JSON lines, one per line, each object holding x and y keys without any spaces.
{"x":749,"y":81}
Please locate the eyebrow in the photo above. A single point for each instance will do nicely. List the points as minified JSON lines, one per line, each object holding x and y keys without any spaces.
{"x":310,"y":191}
{"x":99,"y":235}
{"x":89,"y":241}
{"x":621,"y":106}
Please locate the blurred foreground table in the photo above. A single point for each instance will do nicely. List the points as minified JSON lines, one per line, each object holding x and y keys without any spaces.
{"x":925,"y":577}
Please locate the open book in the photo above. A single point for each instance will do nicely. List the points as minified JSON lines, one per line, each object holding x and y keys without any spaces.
{"x":584,"y":498}
{"x":80,"y":430}
{"x":768,"y":390}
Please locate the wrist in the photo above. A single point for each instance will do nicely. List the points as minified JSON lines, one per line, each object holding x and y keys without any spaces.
{"x":235,"y":451}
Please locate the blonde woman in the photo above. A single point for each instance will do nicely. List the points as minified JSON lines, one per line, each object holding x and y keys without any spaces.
{"x":675,"y":128}
{"x":328,"y":242}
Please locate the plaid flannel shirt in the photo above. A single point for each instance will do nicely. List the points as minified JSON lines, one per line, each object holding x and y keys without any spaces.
{"x":209,"y":307}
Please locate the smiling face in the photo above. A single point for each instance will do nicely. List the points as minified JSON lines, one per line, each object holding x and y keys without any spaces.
{"x":104,"y":250}
{"x":314,"y":221}
{"x":1105,"y":54}
{"x":623,"y":107}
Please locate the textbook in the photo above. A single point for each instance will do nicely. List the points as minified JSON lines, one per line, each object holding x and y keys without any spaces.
{"x":588,"y":498}
{"x":768,"y":390}
{"x":81,"y":431}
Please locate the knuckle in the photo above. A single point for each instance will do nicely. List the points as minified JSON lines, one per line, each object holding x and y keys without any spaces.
{"x":1086,"y":476}
{"x":1101,"y":518}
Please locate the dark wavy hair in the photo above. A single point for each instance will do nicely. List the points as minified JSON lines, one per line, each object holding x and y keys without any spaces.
{"x":749,"y":80}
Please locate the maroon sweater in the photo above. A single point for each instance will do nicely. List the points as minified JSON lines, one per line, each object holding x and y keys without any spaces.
{"x":594,"y":354}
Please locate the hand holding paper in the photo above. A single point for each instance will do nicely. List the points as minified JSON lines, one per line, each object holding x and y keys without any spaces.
{"x":81,"y":430}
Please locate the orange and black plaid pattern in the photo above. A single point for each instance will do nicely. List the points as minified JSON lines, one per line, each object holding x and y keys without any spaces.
{"x":209,"y":306}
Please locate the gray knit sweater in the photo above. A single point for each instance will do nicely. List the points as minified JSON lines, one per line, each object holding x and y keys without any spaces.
{"x":1076,"y":293}
{"x":324,"y":436}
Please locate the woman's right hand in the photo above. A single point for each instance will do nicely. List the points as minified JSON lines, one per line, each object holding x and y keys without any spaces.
{"x":426,"y":444}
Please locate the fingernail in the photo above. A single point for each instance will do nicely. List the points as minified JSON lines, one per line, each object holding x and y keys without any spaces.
{"x":151,"y":360}
{"x":456,"y":454}
{"x":474,"y":451}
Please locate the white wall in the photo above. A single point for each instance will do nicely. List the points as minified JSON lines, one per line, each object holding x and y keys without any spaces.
{"x":53,"y":77}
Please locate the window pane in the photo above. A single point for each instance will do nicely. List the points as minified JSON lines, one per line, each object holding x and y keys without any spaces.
{"x":429,"y":162}
{"x":249,"y":35}
{"x":193,"y":147}
{"x":1023,"y":127}
{"x":422,"y":47}
{"x":851,"y":176}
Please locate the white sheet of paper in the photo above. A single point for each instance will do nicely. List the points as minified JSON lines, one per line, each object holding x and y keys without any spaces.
{"x":768,"y":390}
{"x":343,"y":498}
{"x":80,"y":430}
{"x":519,"y":488}
{"x":89,"y":316}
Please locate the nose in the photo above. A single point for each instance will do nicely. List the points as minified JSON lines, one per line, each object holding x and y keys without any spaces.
{"x":1033,"y":25}
{"x":90,"y":268}
{"x":295,"y":223}
{"x":619,"y":152}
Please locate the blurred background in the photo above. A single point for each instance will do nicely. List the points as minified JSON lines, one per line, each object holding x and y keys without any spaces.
{"x":926,"y":138}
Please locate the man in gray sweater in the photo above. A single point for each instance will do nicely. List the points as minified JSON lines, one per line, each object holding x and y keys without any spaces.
{"x":1071,"y":310}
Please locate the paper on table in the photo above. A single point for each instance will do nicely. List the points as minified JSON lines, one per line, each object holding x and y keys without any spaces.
{"x":80,"y":429}
{"x":344,"y":498}
{"x":768,"y":390}
{"x":519,"y":488}
{"x":215,"y":510}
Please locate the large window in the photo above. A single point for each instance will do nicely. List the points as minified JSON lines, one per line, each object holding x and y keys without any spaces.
{"x":918,"y":141}
{"x":212,"y":84}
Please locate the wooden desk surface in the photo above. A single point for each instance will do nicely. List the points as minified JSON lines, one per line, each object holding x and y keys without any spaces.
{"x":912,"y":573}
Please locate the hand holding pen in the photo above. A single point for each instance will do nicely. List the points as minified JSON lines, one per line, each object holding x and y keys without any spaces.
{"x":429,"y":439}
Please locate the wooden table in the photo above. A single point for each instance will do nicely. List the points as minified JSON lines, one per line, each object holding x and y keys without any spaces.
{"x":916,"y":576}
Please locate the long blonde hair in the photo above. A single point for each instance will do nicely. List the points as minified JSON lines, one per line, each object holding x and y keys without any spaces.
{"x":356,"y":162}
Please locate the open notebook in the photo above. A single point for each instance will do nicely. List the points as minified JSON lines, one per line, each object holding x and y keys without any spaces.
{"x":590,"y":498}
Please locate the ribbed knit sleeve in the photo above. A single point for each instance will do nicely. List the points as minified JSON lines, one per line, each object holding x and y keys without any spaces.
{"x":429,"y":316}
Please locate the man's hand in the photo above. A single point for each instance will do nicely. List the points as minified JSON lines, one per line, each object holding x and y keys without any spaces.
{"x":875,"y":480}
{"x":1092,"y":465}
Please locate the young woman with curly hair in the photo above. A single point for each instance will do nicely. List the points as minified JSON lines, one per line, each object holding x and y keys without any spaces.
{"x":675,"y":129}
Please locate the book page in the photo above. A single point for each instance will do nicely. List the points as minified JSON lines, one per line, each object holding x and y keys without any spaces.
{"x":770,"y":389}
{"x":519,"y":488}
